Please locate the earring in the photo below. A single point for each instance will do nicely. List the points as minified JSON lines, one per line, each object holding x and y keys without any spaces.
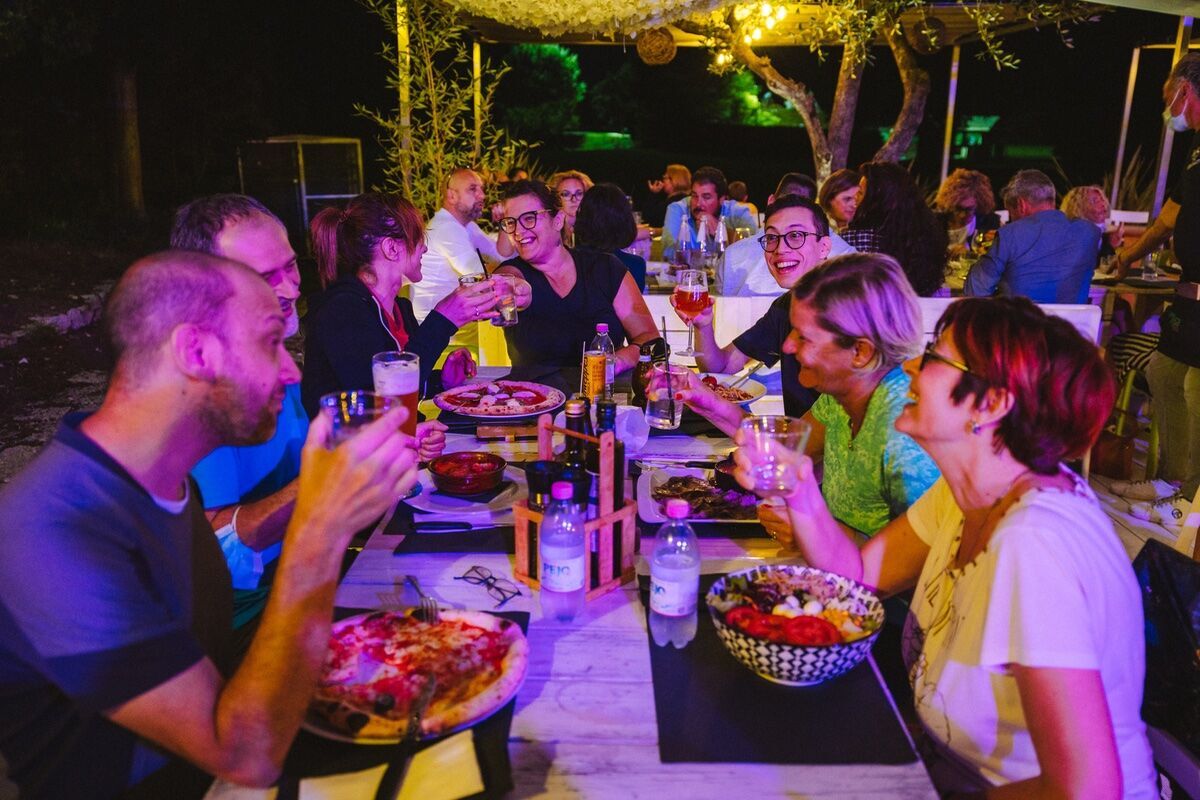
{"x":976,"y":428}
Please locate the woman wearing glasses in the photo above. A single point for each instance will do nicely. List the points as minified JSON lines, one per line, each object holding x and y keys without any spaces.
{"x":570,"y":186}
{"x":795,"y":242}
{"x":1024,"y":647}
{"x":570,"y":290}
{"x":852,"y":322}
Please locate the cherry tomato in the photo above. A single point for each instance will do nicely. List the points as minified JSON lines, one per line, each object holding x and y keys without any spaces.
{"x":709,"y":381}
{"x":739,"y":616}
{"x":811,"y":631}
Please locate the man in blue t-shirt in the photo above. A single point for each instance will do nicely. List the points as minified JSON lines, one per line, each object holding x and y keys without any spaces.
{"x":114,"y":598}
{"x":248,"y":492}
{"x":704,"y":209}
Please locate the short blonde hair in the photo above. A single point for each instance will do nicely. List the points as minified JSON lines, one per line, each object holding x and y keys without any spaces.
{"x":1086,"y":202}
{"x":866,"y":296}
{"x":963,"y":184}
{"x":569,"y":175}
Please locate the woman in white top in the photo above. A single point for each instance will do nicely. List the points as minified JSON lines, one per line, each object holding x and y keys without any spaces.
{"x":1024,"y":645}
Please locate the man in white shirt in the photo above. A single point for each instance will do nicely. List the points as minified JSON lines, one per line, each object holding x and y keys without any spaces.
{"x":744,"y":271}
{"x":456,"y":247}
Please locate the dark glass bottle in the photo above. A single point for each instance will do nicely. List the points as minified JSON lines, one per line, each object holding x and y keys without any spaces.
{"x":574,"y":454}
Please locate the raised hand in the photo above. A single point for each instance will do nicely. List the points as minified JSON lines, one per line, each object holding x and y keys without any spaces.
{"x":470,"y":303}
{"x":431,"y":439}
{"x":458,"y":368}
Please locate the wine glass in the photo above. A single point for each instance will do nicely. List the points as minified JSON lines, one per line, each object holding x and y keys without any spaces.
{"x":691,"y":298}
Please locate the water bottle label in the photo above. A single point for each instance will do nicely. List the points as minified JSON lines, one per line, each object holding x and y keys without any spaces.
{"x":673,"y":598}
{"x":563,"y":576}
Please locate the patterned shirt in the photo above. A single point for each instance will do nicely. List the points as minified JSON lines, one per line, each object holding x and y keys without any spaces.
{"x":872,"y":478}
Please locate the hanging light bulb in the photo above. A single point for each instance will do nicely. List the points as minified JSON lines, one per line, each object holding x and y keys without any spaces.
{"x":740,"y":13}
{"x":780,"y":13}
{"x":770,"y":23}
{"x":747,"y":39}
{"x":765,"y":9}
{"x":757,"y":34}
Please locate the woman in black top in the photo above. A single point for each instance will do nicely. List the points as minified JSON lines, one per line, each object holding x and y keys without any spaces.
{"x":570,"y":291}
{"x":893,"y":218}
{"x":605,"y":223}
{"x":364,"y":255}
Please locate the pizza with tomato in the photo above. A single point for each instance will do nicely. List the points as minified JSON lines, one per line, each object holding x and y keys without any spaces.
{"x":378,"y":664}
{"x":500,"y":399}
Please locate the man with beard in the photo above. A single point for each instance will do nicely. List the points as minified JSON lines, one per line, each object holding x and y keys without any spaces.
{"x":456,"y":247}
{"x":704,"y":210}
{"x":114,"y":597}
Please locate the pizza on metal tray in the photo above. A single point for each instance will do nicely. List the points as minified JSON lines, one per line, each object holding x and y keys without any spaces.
{"x":502,"y":398}
{"x":378,"y":663}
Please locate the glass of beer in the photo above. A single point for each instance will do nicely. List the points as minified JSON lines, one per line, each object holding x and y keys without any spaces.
{"x":506,"y":301}
{"x":767,"y":440}
{"x":691,"y":298}
{"x":350,"y":411}
{"x":398,"y":377}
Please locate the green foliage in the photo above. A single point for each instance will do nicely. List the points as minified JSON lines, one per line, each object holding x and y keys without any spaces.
{"x":440,"y":136}
{"x":539,"y":97}
{"x":1136,"y":192}
{"x":745,"y":103}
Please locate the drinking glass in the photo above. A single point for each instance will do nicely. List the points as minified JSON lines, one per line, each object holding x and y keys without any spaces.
{"x":506,"y":301}
{"x":768,"y":440}
{"x":467,"y":280}
{"x":397,"y":377}
{"x":350,"y":411}
{"x":663,"y":411}
{"x":691,"y":298}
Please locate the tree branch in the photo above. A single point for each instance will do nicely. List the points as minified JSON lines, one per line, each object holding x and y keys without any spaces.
{"x":845,"y":104}
{"x":916,"y":92}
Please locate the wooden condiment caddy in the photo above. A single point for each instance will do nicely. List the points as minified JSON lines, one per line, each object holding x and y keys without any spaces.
{"x":608,"y":523}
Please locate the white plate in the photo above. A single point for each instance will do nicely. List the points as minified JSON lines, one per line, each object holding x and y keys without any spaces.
{"x":549,"y":391}
{"x":650,"y":510}
{"x":432,"y":501}
{"x":750,"y":387}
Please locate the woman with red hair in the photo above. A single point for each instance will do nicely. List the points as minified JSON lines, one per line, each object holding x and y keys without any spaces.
{"x":1024,"y":639}
{"x":364,"y":255}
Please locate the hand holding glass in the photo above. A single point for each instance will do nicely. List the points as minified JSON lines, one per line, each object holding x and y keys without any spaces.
{"x":691,"y":298}
{"x":506,"y":301}
{"x":397,"y":377}
{"x":773,"y":446}
{"x":663,"y":411}
{"x":349,"y":412}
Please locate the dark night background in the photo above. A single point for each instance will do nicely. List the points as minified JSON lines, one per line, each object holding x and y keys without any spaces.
{"x":214,"y":74}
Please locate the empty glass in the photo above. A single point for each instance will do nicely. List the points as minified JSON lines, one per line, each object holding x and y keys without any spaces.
{"x":769,"y":441}
{"x":350,"y":411}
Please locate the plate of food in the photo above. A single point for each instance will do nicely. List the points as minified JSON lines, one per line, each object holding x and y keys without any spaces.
{"x":378,"y":664}
{"x":432,"y":500}
{"x":500,"y":399}
{"x":748,"y":392}
{"x":712,"y":496}
{"x":795,"y":625}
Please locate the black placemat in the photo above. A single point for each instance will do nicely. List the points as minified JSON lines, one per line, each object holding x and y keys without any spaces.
{"x":690,"y":424}
{"x":481,"y":540}
{"x":712,"y":709}
{"x":313,"y":756}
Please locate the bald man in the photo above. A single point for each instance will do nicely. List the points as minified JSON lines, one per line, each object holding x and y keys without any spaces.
{"x":114,"y":597}
{"x":456,"y":247}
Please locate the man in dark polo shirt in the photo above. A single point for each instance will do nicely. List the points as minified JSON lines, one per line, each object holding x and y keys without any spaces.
{"x":114,"y":596}
{"x":1173,"y":371}
{"x":795,"y":241}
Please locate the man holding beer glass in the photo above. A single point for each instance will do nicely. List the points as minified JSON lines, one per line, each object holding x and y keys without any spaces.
{"x":796,"y":241}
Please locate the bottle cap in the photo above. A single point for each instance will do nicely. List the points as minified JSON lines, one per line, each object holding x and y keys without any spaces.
{"x":677,"y":508}
{"x":601,"y":327}
{"x":561,"y":490}
{"x":574,"y":408}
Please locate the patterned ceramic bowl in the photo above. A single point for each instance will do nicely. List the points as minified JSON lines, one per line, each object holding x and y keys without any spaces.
{"x":798,"y":665}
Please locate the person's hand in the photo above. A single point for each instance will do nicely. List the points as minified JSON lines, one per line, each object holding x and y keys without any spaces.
{"x":497,"y":212}
{"x":1120,"y":265}
{"x":470,"y":303}
{"x":1115,"y":235}
{"x":458,"y":368}
{"x":431,"y":439}
{"x":643,"y":233}
{"x":522,"y":291}
{"x":343,"y":489}
{"x":750,"y":455}
{"x":775,"y":521}
{"x":692,"y":391}
{"x":655,"y":185}
{"x":702,"y":320}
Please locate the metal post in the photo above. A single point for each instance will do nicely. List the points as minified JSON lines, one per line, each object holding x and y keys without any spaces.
{"x":1120,"y":167}
{"x":404,"y":72}
{"x":477,"y":82}
{"x":948,"y":140}
{"x":1183,"y":40}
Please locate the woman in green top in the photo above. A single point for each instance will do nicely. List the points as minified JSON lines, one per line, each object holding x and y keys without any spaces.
{"x":855,"y":320}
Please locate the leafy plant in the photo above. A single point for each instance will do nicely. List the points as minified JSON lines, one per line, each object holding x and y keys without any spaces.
{"x":541,"y":92}
{"x":439,"y":136}
{"x":1136,"y":192}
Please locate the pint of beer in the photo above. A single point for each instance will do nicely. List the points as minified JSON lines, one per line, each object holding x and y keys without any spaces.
{"x":398,"y":375}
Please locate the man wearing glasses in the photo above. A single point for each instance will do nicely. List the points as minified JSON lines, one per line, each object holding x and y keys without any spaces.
{"x":796,"y":241}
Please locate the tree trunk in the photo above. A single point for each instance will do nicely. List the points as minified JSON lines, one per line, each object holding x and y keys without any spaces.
{"x":845,"y":104}
{"x":794,"y":91}
{"x":127,"y":146}
{"x":916,"y":92}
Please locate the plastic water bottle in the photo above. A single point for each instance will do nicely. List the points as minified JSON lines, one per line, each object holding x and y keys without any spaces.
{"x":561,"y":545}
{"x":674,"y":579}
{"x":602,"y":344}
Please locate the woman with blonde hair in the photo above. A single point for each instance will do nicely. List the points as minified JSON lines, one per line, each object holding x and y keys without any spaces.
{"x":570,"y":186}
{"x":1090,"y":203}
{"x":966,"y":203}
{"x":855,"y":320}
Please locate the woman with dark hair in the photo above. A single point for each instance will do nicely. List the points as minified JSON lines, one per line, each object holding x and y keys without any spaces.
{"x":570,"y":290}
{"x":839,"y":197}
{"x":892,"y":218}
{"x":605,"y":224}
{"x":364,"y":255}
{"x":1024,"y":643}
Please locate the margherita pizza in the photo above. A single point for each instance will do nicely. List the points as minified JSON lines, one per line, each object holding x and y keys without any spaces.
{"x":500,"y":399}
{"x":378,"y":663}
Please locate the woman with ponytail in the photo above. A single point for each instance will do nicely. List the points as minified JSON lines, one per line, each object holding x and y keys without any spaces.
{"x":364,"y":255}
